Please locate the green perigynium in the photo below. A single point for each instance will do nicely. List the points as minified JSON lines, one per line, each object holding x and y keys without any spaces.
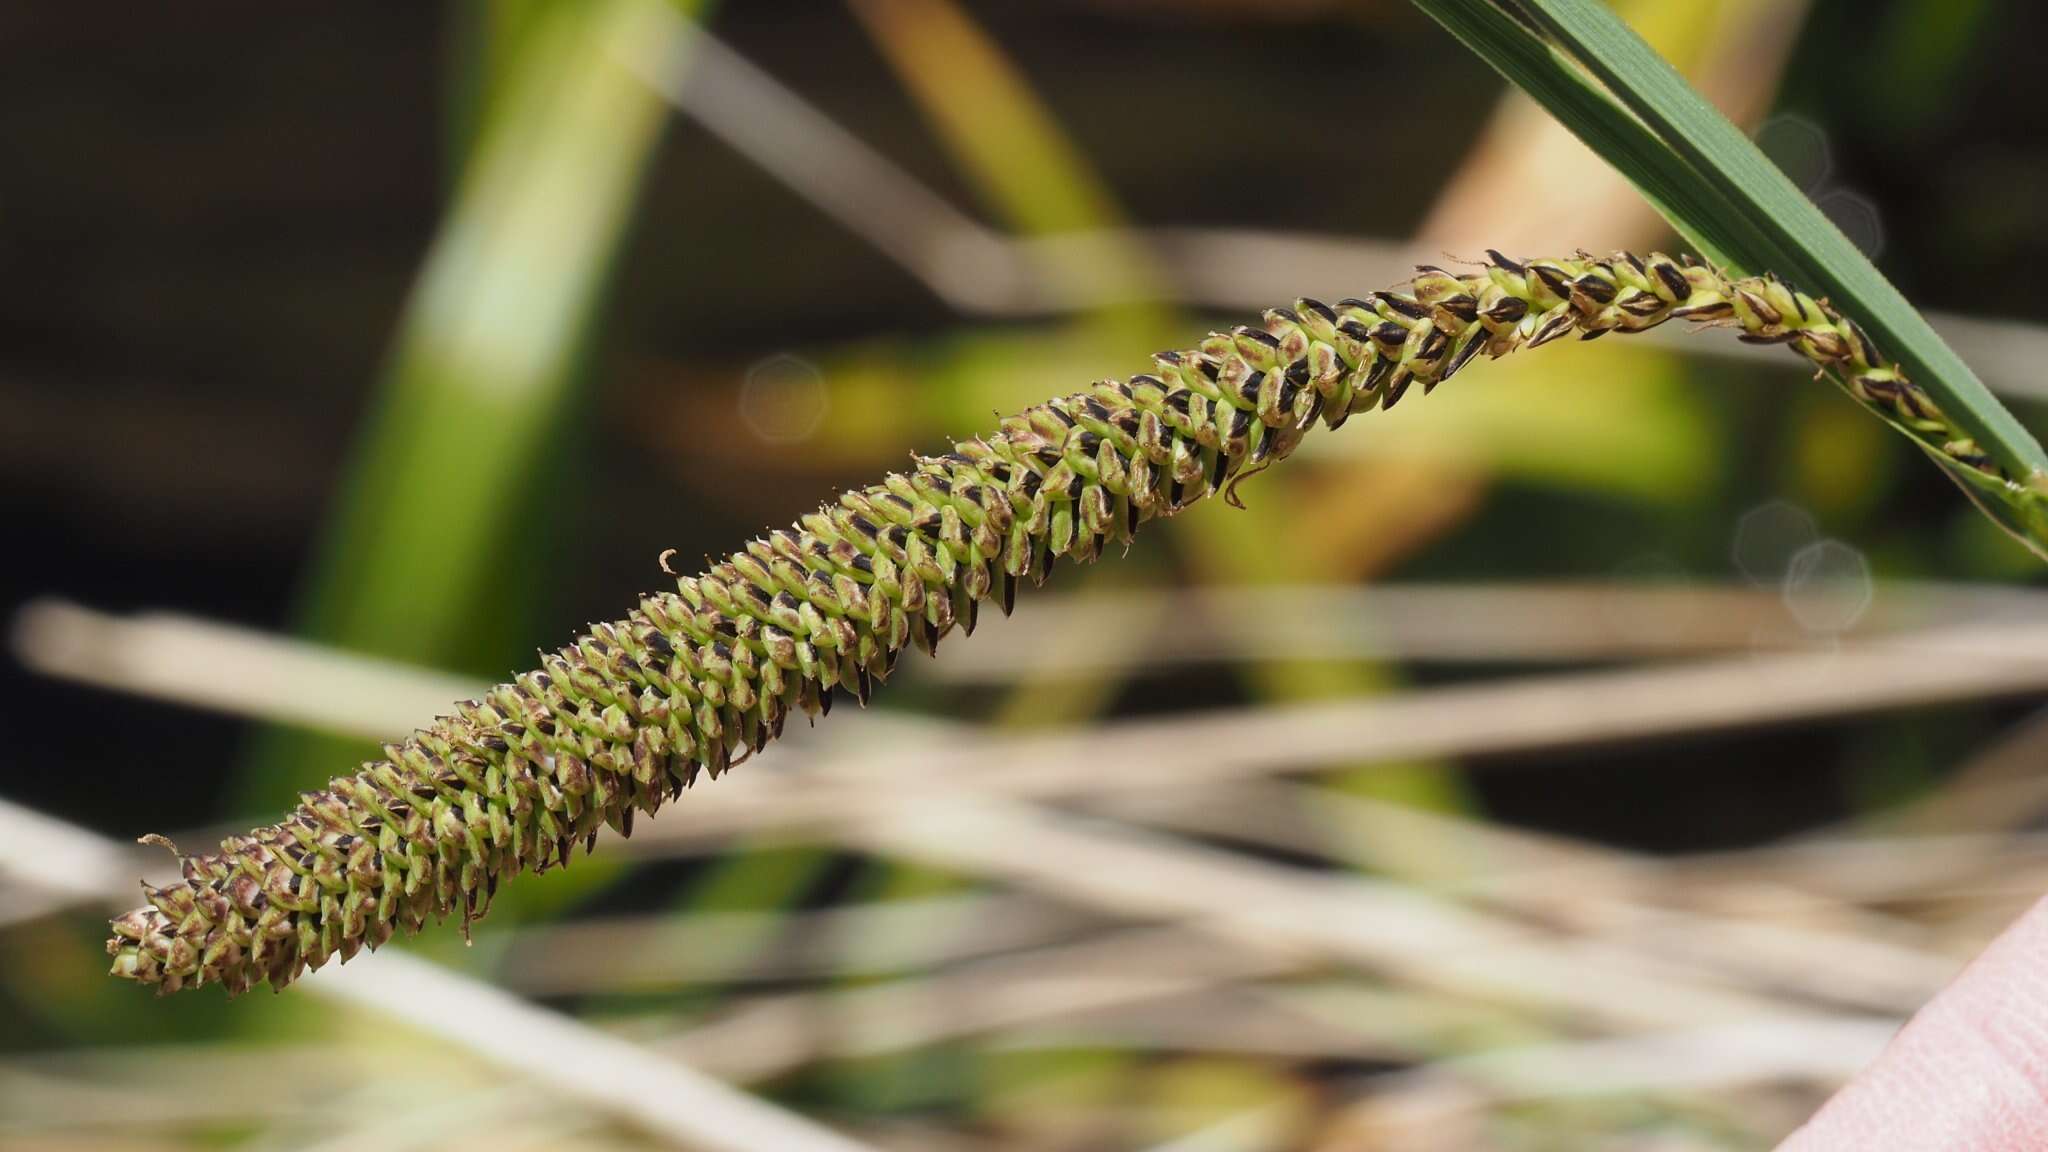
{"x":692,"y":680}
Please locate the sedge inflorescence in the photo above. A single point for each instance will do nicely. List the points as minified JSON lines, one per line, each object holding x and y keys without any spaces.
{"x":695,"y":679}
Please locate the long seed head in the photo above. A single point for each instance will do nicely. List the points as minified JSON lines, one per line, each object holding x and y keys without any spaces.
{"x":694,"y":680}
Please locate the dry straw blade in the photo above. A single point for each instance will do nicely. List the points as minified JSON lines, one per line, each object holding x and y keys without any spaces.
{"x":697,"y":679}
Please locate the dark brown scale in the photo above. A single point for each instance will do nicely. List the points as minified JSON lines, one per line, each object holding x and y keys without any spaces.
{"x":1464,"y":306}
{"x":1397,"y":389}
{"x":1508,"y":310}
{"x":1552,"y":278}
{"x":1413,"y":309}
{"x":1595,"y":288}
{"x":1642,"y":305}
{"x":1713,"y":310}
{"x":1674,"y":280}
{"x":1464,"y":356}
{"x":1761,"y":307}
{"x":1859,"y":340}
{"x":1550,"y":329}
{"x":1248,"y":392}
{"x":1315,"y":409}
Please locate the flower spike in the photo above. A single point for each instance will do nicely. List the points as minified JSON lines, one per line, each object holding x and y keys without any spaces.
{"x":696,"y":679}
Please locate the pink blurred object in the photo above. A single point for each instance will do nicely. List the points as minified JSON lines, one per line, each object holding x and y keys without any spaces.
{"x":1968,"y":1074}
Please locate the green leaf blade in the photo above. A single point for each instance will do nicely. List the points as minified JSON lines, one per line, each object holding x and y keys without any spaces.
{"x":1814,"y":247}
{"x":1612,"y":90}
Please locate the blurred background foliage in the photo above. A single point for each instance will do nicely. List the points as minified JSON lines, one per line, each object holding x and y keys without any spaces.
{"x":419,"y":332}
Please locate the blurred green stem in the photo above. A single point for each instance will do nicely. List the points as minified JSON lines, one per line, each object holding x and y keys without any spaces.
{"x":437,"y":514}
